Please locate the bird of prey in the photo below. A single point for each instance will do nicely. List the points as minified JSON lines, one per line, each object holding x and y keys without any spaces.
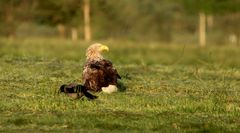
{"x":99,"y":73}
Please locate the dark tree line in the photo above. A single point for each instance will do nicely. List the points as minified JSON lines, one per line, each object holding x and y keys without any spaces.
{"x":164,"y":20}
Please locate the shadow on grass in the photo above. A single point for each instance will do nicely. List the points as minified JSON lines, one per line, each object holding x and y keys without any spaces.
{"x":121,"y":86}
{"x":19,"y":121}
{"x":115,"y":126}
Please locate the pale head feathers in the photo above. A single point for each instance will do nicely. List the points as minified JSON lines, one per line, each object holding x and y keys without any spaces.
{"x":94,"y":52}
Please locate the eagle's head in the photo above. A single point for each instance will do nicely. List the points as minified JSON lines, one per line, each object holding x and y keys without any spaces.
{"x":94,"y":52}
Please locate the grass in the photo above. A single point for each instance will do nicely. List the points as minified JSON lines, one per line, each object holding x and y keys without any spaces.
{"x":170,"y":88}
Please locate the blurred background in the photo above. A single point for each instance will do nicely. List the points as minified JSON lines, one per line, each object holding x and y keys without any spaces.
{"x":199,"y":22}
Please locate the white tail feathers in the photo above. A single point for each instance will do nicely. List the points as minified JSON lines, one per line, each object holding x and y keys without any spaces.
{"x":110,"y":89}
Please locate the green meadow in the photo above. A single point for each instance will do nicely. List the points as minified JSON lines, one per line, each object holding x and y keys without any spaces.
{"x":170,"y":88}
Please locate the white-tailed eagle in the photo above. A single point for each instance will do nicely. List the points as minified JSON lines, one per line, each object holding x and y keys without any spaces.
{"x":99,"y":73}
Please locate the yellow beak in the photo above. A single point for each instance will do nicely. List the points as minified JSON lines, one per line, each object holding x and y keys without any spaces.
{"x":104,"y":48}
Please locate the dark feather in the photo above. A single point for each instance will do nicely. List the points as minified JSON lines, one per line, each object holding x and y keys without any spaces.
{"x":76,"y":91}
{"x":98,"y":74}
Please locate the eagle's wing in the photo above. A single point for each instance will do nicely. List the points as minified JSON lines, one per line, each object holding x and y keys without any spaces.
{"x":93,"y":76}
{"x":98,"y":74}
{"x":111,"y":72}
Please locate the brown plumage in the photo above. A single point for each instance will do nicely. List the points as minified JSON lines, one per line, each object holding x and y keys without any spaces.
{"x":98,"y":72}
